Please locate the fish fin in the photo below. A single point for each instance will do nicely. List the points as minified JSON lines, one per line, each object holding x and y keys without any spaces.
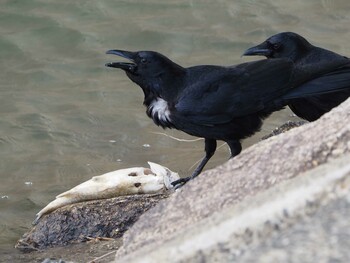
{"x":65,"y":194}
{"x":158,"y":169}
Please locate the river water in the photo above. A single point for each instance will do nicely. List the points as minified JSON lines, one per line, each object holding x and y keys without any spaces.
{"x":65,"y":117}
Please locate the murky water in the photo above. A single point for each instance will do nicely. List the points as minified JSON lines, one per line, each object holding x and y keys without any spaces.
{"x":65,"y":117}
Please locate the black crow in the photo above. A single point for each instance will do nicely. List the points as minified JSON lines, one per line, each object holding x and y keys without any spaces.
{"x":329,"y":87}
{"x":213,"y":102}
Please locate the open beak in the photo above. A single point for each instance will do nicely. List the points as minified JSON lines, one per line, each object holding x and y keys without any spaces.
{"x":259,"y":50}
{"x":127,"y":66}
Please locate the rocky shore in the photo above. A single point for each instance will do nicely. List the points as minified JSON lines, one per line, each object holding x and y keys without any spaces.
{"x":285,"y":199}
{"x":293,"y":187}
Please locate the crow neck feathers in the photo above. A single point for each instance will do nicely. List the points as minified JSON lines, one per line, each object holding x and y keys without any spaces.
{"x":161,"y":92}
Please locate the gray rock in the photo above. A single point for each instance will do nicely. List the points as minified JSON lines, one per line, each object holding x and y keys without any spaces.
{"x":301,"y":220}
{"x":202,"y":204}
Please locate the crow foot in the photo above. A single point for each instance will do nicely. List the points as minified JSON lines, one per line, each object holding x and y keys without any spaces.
{"x":181,"y":182}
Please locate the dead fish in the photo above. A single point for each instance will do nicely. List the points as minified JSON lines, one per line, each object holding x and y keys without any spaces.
{"x":136,"y":180}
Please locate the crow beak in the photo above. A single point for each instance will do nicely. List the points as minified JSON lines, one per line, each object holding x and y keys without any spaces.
{"x":259,"y":50}
{"x":129,"y":67}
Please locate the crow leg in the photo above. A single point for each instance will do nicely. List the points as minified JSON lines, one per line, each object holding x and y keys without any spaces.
{"x":210,"y":148}
{"x":235,"y":148}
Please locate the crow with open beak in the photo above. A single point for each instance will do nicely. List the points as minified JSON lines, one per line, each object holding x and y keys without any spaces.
{"x":208,"y":101}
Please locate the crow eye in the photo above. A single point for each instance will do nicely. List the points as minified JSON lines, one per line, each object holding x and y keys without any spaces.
{"x":276,"y":46}
{"x":143,"y":60}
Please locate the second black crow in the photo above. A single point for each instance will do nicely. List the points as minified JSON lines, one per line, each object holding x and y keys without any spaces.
{"x":327,"y":89}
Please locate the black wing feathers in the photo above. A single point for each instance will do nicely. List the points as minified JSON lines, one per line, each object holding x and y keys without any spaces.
{"x":235,"y":92}
{"x":337,"y":80}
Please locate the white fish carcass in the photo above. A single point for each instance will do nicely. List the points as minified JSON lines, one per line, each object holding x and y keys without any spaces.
{"x":136,"y":180}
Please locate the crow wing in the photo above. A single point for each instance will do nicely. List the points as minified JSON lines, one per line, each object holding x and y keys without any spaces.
{"x":234,"y":92}
{"x":337,"y":80}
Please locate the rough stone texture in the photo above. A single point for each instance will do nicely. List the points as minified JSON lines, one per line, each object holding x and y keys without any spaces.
{"x":74,"y":223}
{"x":258,"y":168}
{"x":284,"y":127}
{"x":96,"y":250}
{"x":305,"y":219}
{"x":322,"y":237}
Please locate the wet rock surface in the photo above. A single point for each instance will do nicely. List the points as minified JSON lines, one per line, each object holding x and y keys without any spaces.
{"x":285,"y":127}
{"x":95,"y":250}
{"x":105,"y":218}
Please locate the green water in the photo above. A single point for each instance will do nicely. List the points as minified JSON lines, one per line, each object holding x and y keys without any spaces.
{"x":65,"y":117}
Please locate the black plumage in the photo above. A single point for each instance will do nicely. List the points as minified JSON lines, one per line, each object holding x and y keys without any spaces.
{"x":213,"y":102}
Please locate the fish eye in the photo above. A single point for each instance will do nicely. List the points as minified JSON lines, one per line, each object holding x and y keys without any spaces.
{"x":143,"y":60}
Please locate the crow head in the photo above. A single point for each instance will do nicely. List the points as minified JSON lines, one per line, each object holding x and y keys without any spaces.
{"x":283,"y":45}
{"x":146,"y":68}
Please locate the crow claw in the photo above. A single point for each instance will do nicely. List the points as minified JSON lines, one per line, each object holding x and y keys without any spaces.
{"x":179,"y":183}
